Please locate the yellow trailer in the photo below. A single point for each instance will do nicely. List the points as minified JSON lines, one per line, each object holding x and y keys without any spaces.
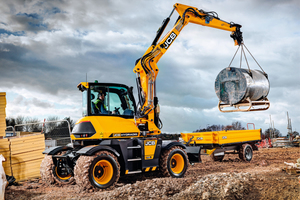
{"x":218,"y":143}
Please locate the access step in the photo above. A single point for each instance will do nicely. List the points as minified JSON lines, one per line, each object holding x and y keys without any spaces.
{"x":134,"y":147}
{"x":134,"y":159}
{"x":135,"y":172}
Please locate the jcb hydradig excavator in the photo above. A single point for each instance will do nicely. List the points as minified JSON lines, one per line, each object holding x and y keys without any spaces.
{"x":117,"y":137}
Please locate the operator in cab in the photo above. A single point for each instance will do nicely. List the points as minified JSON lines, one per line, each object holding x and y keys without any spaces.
{"x":99,"y":103}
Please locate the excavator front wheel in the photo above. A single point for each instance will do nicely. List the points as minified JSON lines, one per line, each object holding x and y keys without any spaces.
{"x":99,"y":171}
{"x":174,"y":162}
{"x":104,"y":171}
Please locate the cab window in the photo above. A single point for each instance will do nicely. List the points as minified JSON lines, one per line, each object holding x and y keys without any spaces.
{"x":111,"y":100}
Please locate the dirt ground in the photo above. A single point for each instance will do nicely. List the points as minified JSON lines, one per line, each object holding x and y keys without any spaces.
{"x":262,"y":178}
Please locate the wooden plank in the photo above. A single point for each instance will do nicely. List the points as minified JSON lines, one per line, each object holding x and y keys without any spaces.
{"x":26,"y":176}
{"x":20,"y":149}
{"x":27,"y":169}
{"x":4,"y":147}
{"x":7,"y":170}
{"x":26,"y":143}
{"x":6,"y":155}
{"x":26,"y":137}
{"x":30,"y":145}
{"x":3,"y":140}
{"x":27,"y":166}
{"x":29,"y":156}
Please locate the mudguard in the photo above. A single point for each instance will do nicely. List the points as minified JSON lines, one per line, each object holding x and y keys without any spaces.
{"x":55,"y":150}
{"x":194,"y":153}
{"x":169,"y":144}
{"x":92,"y":149}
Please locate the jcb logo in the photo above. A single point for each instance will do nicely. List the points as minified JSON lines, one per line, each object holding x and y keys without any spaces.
{"x":170,"y":39}
{"x":199,"y":138}
{"x":150,"y":143}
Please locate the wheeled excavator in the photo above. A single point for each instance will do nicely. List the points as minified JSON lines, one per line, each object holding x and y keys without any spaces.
{"x":125,"y":139}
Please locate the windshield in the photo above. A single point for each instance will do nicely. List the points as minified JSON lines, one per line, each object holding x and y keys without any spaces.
{"x":84,"y":103}
{"x":110,"y":100}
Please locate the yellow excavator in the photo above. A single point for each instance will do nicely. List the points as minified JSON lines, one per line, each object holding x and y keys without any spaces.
{"x":118,"y":137}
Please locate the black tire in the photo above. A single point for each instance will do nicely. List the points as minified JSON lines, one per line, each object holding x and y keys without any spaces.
{"x":246,"y":152}
{"x":99,"y":171}
{"x":174,"y":162}
{"x":216,"y":158}
{"x":51,"y":175}
{"x":46,"y":170}
{"x":61,"y":177}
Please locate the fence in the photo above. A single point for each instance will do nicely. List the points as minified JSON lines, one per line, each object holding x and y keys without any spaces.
{"x":58,"y":131}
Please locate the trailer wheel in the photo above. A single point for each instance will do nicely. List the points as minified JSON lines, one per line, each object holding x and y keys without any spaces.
{"x":216,"y":158}
{"x":246,"y":152}
{"x":100,"y":171}
{"x":174,"y":162}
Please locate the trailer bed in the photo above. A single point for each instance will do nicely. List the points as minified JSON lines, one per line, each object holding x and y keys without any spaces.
{"x":222,"y":138}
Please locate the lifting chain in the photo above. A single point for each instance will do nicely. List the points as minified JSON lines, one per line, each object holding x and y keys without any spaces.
{"x":241,"y":58}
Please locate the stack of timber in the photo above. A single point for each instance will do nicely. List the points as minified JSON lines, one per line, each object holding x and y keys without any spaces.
{"x":2,"y":114}
{"x":23,"y":154}
{"x":5,"y":151}
{"x":4,"y":143}
{"x":26,"y":156}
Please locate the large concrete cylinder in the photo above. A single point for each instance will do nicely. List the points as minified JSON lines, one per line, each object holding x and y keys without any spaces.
{"x":235,"y":85}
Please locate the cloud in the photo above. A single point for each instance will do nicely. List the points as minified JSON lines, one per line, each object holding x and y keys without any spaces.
{"x":48,"y":47}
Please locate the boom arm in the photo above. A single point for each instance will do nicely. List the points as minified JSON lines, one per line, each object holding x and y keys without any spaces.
{"x":146,"y":67}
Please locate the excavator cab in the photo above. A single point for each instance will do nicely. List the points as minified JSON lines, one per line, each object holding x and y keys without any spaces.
{"x":116,"y":100}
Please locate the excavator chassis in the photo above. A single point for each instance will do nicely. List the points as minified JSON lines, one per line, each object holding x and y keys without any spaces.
{"x":106,"y":162}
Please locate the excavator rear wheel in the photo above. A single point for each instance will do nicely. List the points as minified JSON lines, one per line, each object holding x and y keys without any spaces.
{"x":99,"y":171}
{"x":174,"y":162}
{"x":46,"y":170}
{"x":50,"y":174}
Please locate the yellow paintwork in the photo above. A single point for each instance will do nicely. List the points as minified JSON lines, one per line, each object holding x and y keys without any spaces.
{"x":214,"y":23}
{"x":147,"y":169}
{"x":149,"y":149}
{"x":153,"y":168}
{"x":158,"y":50}
{"x":209,"y":151}
{"x":108,"y":171}
{"x":85,"y":84}
{"x":62,"y":177}
{"x":105,"y":126}
{"x":178,"y":162}
{"x":222,"y":137}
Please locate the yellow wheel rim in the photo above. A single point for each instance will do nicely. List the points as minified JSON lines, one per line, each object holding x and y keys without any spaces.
{"x":62,"y":177}
{"x":103,"y":172}
{"x":177,"y":163}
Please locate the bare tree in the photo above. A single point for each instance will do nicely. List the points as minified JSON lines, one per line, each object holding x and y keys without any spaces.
{"x":32,"y":127}
{"x":19,"y":120}
{"x":237,"y":126}
{"x":272,"y":133}
{"x":49,"y":127}
{"x":234,"y":126}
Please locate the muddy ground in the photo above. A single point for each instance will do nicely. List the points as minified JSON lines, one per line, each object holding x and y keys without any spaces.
{"x":262,"y":178}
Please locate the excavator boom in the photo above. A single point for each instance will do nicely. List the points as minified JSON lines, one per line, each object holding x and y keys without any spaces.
{"x":146,"y":67}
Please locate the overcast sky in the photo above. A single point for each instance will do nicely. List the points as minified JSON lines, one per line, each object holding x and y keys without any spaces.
{"x":48,"y":47}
